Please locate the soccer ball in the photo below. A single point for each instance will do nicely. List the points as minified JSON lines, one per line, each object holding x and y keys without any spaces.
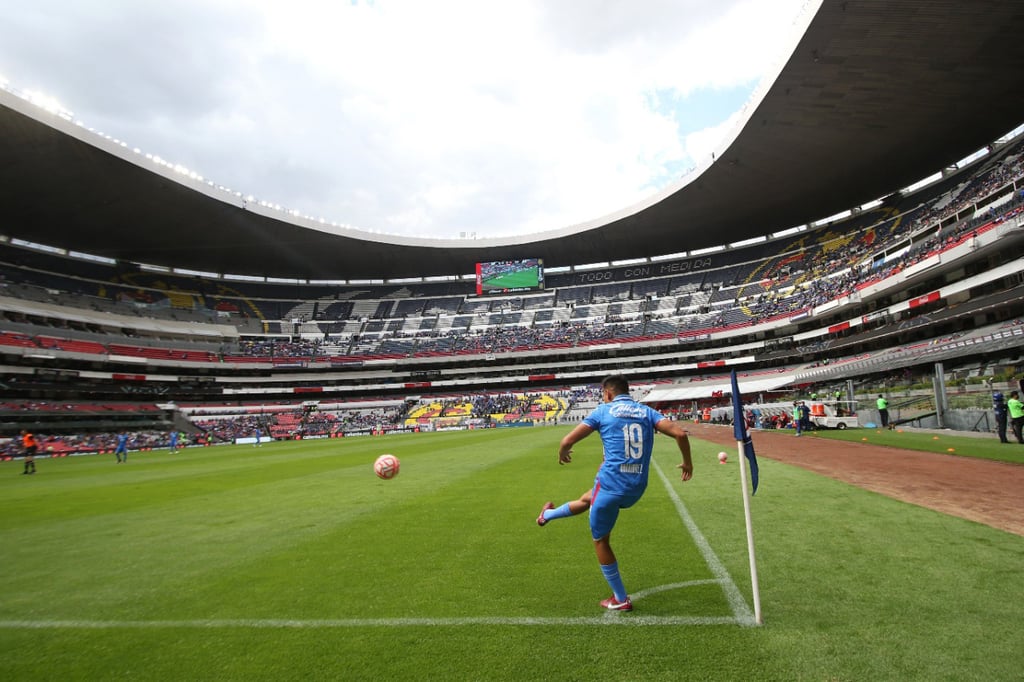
{"x":386,"y":466}
{"x":722,"y":457}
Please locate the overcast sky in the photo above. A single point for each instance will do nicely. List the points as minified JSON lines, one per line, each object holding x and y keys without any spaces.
{"x":436,"y":118}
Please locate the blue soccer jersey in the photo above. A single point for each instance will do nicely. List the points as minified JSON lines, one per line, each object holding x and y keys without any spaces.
{"x":627,"y":432}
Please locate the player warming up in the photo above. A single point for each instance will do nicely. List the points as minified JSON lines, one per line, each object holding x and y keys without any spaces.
{"x":627,"y":430}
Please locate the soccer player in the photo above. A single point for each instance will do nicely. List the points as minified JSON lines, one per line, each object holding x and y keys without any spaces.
{"x":259,"y":436}
{"x":121,"y":451}
{"x":627,"y":430}
{"x":174,"y":442}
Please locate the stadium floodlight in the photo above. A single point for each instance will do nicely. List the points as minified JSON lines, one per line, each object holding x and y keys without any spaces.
{"x":970,"y":158}
{"x":934,"y":177}
{"x":710,"y":249}
{"x":36,"y":246}
{"x":47,"y":103}
{"x":842,"y":215}
{"x":92,"y":257}
{"x":668,"y":256}
{"x":748,"y":242}
{"x":153,"y":268}
{"x":786,"y":233}
{"x":195,"y":273}
{"x":1005,"y":138}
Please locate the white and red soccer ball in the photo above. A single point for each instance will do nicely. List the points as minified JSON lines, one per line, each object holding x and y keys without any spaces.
{"x":386,"y":467}
{"x":722,"y":457}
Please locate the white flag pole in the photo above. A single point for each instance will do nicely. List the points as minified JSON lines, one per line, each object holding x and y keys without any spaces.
{"x":750,"y":532}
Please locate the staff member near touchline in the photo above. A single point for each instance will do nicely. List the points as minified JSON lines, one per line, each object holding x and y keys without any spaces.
{"x":1016,"y":408}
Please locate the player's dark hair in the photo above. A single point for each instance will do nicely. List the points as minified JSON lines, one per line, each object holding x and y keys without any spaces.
{"x":616,"y":383}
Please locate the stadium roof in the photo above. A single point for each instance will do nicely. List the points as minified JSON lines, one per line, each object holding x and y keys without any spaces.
{"x":877,"y":95}
{"x":708,"y":389}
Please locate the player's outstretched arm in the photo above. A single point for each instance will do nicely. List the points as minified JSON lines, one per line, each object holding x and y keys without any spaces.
{"x":570,"y":439}
{"x":675,"y":430}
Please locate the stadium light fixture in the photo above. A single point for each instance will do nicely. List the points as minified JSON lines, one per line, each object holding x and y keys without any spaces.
{"x":970,"y":158}
{"x":1016,"y":132}
{"x":842,"y":215}
{"x":194,"y":273}
{"x":924,"y":182}
{"x":36,"y":246}
{"x":787,"y":233}
{"x":748,"y":242}
{"x":153,"y":268}
{"x":92,"y":257}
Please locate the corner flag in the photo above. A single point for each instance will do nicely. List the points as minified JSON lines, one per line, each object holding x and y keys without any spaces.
{"x":746,"y":445}
{"x":739,"y":429}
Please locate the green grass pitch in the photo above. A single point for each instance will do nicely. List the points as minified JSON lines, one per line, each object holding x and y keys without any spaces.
{"x":294,"y":562}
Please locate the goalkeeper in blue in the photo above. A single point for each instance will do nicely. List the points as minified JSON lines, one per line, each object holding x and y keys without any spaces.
{"x":627,"y":430}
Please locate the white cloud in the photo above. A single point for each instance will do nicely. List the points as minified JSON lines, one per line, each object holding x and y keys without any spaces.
{"x":408,"y":117}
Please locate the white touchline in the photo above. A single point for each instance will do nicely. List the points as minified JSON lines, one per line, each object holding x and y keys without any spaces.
{"x":732,"y":593}
{"x":279,"y":623}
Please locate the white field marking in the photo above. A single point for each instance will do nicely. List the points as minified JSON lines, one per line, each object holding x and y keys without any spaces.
{"x":744,"y":616}
{"x":609,"y":618}
{"x":636,"y":596}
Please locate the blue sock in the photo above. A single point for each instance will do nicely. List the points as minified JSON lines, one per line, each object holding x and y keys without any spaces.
{"x":557,"y":512}
{"x":611,"y":574}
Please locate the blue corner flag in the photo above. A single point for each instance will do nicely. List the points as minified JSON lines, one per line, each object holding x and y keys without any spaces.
{"x":739,"y":429}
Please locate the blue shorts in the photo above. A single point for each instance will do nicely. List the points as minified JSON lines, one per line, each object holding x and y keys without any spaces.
{"x":604,"y":510}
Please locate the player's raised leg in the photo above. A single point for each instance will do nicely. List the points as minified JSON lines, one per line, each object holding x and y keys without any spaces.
{"x":571,"y":508}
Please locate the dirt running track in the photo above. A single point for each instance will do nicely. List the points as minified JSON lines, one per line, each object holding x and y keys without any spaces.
{"x":979,"y":490}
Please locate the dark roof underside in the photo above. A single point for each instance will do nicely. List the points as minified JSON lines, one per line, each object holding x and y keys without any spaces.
{"x":877,"y":95}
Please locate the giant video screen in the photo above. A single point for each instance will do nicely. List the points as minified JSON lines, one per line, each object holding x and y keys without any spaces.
{"x":508,"y":276}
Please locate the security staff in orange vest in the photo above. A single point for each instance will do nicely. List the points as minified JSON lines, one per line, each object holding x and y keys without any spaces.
{"x":29,"y":447}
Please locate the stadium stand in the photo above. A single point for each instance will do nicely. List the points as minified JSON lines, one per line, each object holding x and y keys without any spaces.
{"x":919,"y":268}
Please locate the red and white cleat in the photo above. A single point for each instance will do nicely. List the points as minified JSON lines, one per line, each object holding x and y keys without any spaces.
{"x":613,"y":604}
{"x":540,"y":519}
